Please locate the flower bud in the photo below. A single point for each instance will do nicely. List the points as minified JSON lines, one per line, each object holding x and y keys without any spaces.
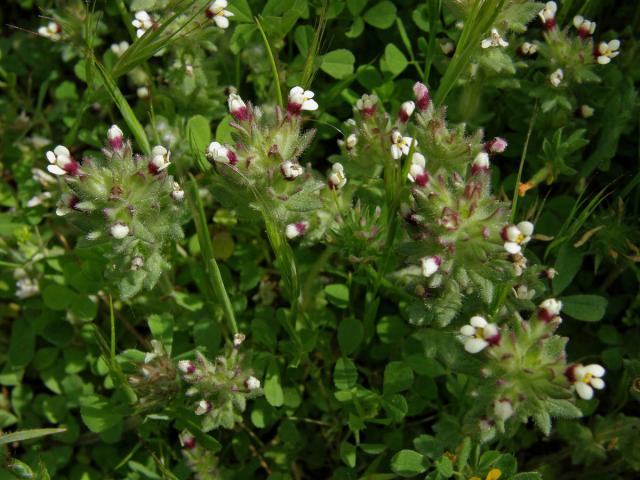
{"x":480,"y":163}
{"x":238,"y":338}
{"x":422,"y":96}
{"x":203,"y":407}
{"x":238,"y":108}
{"x":496,"y":145}
{"x":177,"y":194}
{"x":503,"y":409}
{"x":137,"y":263}
{"x":187,"y":367}
{"x":406,"y":109}
{"x":294,"y":230}
{"x":337,"y":178}
{"x":159,"y":159}
{"x":549,"y":309}
{"x":221,"y":154}
{"x":252,"y":383}
{"x":119,"y":230}
{"x":115,"y":137}
{"x":367,"y":105}
{"x":291,"y":170}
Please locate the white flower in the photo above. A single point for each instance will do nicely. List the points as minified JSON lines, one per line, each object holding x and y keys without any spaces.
{"x":25,"y":286}
{"x":137,"y":263}
{"x":52,"y":31}
{"x":406,"y":109}
{"x":586,"y":378}
{"x":294,"y":230}
{"x":503,"y":409}
{"x":522,"y":292}
{"x":119,"y":48}
{"x":38,"y":199}
{"x":494,"y":40}
{"x":430,"y":265}
{"x":115,"y":136}
{"x":42,"y":177}
{"x":61,"y":162}
{"x":417,"y":173}
{"x":252,"y":383}
{"x":515,"y":236}
{"x":291,"y":170}
{"x":221,"y":154}
{"x":400,"y":145}
{"x":238,"y":338}
{"x":119,"y":230}
{"x":549,"y":310}
{"x":66,"y":204}
{"x":480,"y":163}
{"x":160,"y":157}
{"x":142,"y":92}
{"x":605,"y":51}
{"x":548,"y":15}
{"x":351,"y":141}
{"x":217,"y":11}
{"x":367,"y":104}
{"x":585,"y":27}
{"x":556,"y":77}
{"x":528,"y":48}
{"x":301,"y":99}
{"x":203,"y":406}
{"x":142,"y":22}
{"x":479,"y":334}
{"x":337,"y":179}
{"x":495,"y":145}
{"x":447,"y":47}
{"x":186,"y":366}
{"x":238,"y":108}
{"x":177,"y":193}
{"x":188,"y":69}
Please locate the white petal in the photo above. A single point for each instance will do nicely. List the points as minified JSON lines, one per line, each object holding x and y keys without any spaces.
{"x":584,"y":391}
{"x":512,"y":247}
{"x":475,"y":345}
{"x":478,"y":321}
{"x":396,"y":153}
{"x":296,"y":91}
{"x":468,"y":331}
{"x":526,"y":228}
{"x":597,"y":383}
{"x":486,"y":43}
{"x":62,"y":150}
{"x":221,"y":21}
{"x":310,"y":105}
{"x":490,"y":330}
{"x":614,"y":44}
{"x":308,"y":94}
{"x":595,"y":370}
{"x":56,"y":170}
{"x":51,"y":156}
{"x":602,"y":60}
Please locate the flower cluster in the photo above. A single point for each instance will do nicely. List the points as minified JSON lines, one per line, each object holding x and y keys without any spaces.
{"x":219,"y":389}
{"x":155,"y":379}
{"x":126,"y":203}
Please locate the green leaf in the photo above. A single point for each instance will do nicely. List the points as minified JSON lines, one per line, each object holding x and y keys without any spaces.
{"x":444,"y":466}
{"x":588,"y":308}
{"x":199,"y":136}
{"x":562,"y":409}
{"x":407,"y":463}
{"x":337,"y":294}
{"x":356,"y":6}
{"x":348,"y":454}
{"x":161,"y":327}
{"x":22,"y":435}
{"x":527,"y":476}
{"x":338,"y":63}
{"x":567,"y":266}
{"x":398,"y":377}
{"x":396,"y":407}
{"x":345,"y":374}
{"x":395,"y":59}
{"x":100,"y":415}
{"x":57,"y":297}
{"x":381,"y":15}
{"x":272,"y":387}
{"x":350,"y":334}
{"x":23,"y":343}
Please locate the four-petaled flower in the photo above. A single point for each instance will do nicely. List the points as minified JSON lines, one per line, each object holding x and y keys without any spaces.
{"x":337,"y":179}
{"x":548,"y":15}
{"x":142,"y":22}
{"x":400,"y":145}
{"x":294,"y":230}
{"x":605,"y":51}
{"x":417,"y":173}
{"x":160,"y":157}
{"x":52,"y":31}
{"x":585,"y":27}
{"x":119,"y":48}
{"x":217,"y":11}
{"x":221,"y":154}
{"x":515,"y":236}
{"x":494,"y":40}
{"x":291,"y":170}
{"x":549,"y":310}
{"x":300,"y":99}
{"x":478,"y":334}
{"x":586,"y":378}
{"x":61,"y":163}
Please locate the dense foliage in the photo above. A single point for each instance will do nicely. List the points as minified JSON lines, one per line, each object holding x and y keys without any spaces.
{"x":347,"y":239}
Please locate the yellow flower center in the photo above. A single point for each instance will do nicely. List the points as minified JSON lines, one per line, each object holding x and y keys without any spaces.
{"x":587,"y":378}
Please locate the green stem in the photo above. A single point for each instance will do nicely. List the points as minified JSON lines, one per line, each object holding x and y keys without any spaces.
{"x":274,"y":68}
{"x":514,"y":202}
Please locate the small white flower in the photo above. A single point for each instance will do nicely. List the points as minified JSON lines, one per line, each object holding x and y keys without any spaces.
{"x":351,"y":141}
{"x":160,"y":159}
{"x":186,"y":366}
{"x":337,"y":179}
{"x":522,"y":292}
{"x":430,"y":265}
{"x":177,"y":193}
{"x":217,"y":11}
{"x":549,"y":310}
{"x":137,"y":263}
{"x":585,"y":27}
{"x":120,"y":48}
{"x":556,"y":77}
{"x":238,"y":108}
{"x":515,"y":236}
{"x":25,"y":286}
{"x":447,"y":47}
{"x":66,"y":204}
{"x":519,"y":263}
{"x":52,"y":31}
{"x":61,"y":162}
{"x":38,"y":199}
{"x":417,"y":173}
{"x":367,"y":104}
{"x":301,"y":99}
{"x":203,"y":406}
{"x":142,"y":22}
{"x":586,"y":378}
{"x":478,"y":334}
{"x":495,"y":145}
{"x":400,"y":145}
{"x":406,"y":109}
{"x":291,"y":170}
{"x":548,"y":15}
{"x":294,"y":230}
{"x":142,"y":92}
{"x":115,"y":137}
{"x":221,"y":154}
{"x":119,"y":230}
{"x":503,"y":409}
{"x":238,"y":338}
{"x":605,"y":51}
{"x":494,"y":40}
{"x":42,"y":177}
{"x":528,"y":48}
{"x":252,"y":383}
{"x":480,"y":163}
